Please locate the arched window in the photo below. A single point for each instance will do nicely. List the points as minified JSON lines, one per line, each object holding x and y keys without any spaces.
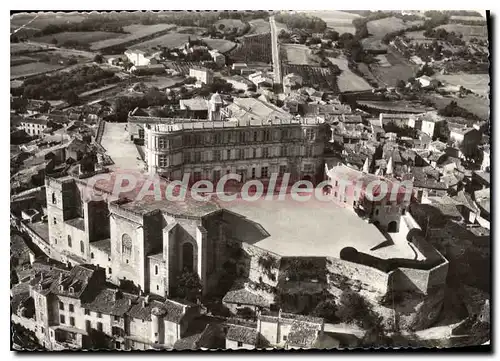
{"x":69,"y":241}
{"x":126,"y":245}
{"x":82,"y":247}
{"x":156,"y":269}
{"x":187,"y":256}
{"x":54,"y":201}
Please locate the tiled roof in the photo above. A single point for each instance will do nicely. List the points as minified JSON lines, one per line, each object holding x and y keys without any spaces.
{"x":243,"y":334}
{"x":245,"y":297}
{"x":188,"y":343}
{"x":102,"y":245}
{"x":172,"y":311}
{"x":110,"y":302}
{"x":302,"y":334}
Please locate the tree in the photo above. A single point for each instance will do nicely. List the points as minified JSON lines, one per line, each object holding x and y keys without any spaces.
{"x":332,"y":35}
{"x":98,"y":58}
{"x":221,"y":27}
{"x":188,"y":286}
{"x":352,"y":307}
{"x":400,"y":84}
{"x":71,"y":98}
{"x":326,"y":309}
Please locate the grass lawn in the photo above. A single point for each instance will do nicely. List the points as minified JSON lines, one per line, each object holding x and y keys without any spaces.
{"x":230,"y":24}
{"x":337,"y":20}
{"x":478,"y":83}
{"x":170,"y":40}
{"x":298,"y":54}
{"x":220,"y":44}
{"x":259,"y":26}
{"x":400,"y":69}
{"x":379,"y":28}
{"x":468,"y":31}
{"x":347,"y":80}
{"x":474,"y":104}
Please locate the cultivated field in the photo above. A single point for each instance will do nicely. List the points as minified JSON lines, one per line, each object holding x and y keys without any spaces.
{"x":378,"y":28}
{"x":161,"y":82}
{"x":220,"y":44}
{"x":256,"y":48}
{"x":170,"y":40}
{"x":337,"y":20}
{"x":136,"y":33}
{"x":181,"y":66}
{"x":82,"y":37}
{"x":23,"y":48}
{"x":298,"y":54}
{"x":313,"y":76}
{"x":44,"y":19}
{"x":468,"y":31}
{"x":459,"y":18}
{"x":31,"y":69}
{"x":347,"y":81}
{"x":478,"y":83}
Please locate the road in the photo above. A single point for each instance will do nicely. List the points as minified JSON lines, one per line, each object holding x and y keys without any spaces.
{"x":275,"y":52}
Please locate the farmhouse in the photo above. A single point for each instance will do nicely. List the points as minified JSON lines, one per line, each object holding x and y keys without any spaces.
{"x":202,"y":75}
{"x":217,"y":57}
{"x":240,"y":83}
{"x":139,"y":57}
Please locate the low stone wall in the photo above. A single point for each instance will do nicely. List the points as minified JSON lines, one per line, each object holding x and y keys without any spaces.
{"x":345,"y":273}
{"x":256,"y":271}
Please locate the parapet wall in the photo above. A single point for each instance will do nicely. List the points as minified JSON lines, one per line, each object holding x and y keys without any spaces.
{"x":354,"y":274}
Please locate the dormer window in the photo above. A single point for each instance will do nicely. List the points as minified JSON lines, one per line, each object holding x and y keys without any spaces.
{"x":72,"y":290}
{"x":61,"y":288}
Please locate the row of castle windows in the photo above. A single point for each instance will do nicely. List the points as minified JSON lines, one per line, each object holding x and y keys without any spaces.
{"x":238,"y":154}
{"x":234,"y":137}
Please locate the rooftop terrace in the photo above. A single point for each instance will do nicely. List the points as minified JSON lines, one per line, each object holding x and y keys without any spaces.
{"x":313,"y":229}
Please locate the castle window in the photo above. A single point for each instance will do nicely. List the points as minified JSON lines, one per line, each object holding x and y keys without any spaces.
{"x":197,"y":157}
{"x":253,"y":173}
{"x":55,"y":220}
{"x":228,"y":154}
{"x":61,"y":306}
{"x":87,"y":312}
{"x":69,"y":241}
{"x":157,"y":287}
{"x":72,"y":321}
{"x":240,"y":344}
{"x":62,"y":319}
{"x":403,"y":211}
{"x":54,"y":200}
{"x":126,"y":245}
{"x":156,"y":269}
{"x":71,"y":308}
{"x":216,"y":155}
{"x":163,"y":160}
{"x":282,"y":170}
{"x":376,"y":212}
{"x":264,"y":172}
{"x":265,"y":152}
{"x":92,"y":255}
{"x":109,"y":270}
{"x":82,"y":247}
{"x":99,"y":326}
{"x":254,"y":136}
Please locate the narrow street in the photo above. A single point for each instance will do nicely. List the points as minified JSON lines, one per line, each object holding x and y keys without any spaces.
{"x":275,"y":51}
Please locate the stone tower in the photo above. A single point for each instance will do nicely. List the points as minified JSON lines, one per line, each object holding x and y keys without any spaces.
{"x":214,"y":107}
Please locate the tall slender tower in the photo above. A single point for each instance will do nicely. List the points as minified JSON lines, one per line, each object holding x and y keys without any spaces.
{"x":214,"y":107}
